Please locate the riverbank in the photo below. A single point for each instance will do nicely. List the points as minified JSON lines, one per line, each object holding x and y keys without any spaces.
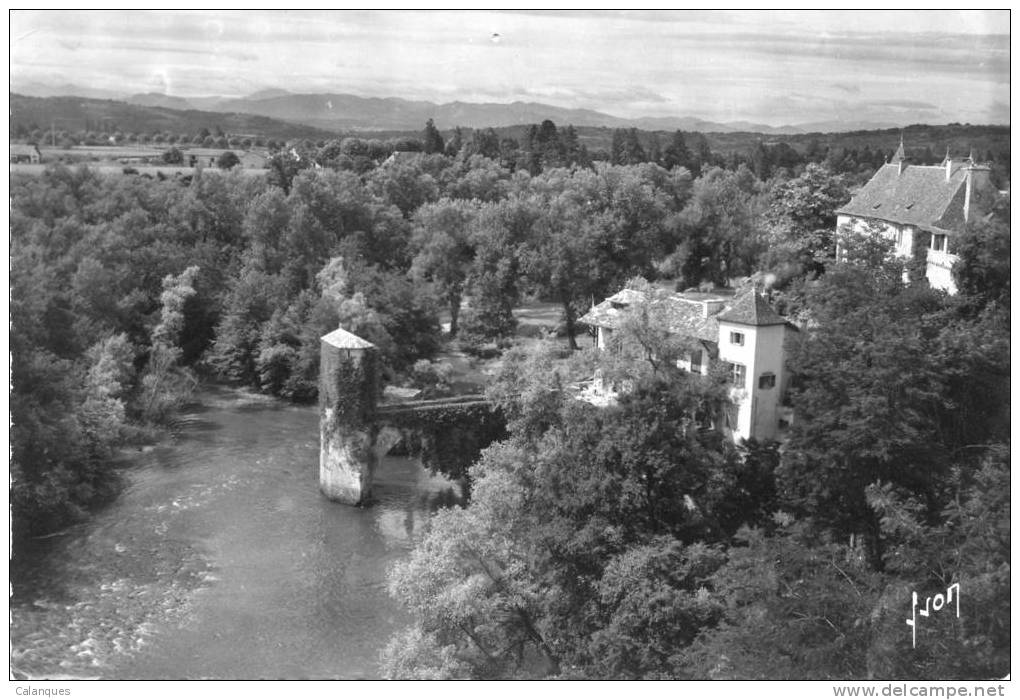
{"x":221,"y":559}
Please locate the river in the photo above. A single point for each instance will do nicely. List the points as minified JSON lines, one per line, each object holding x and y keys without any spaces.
{"x":221,"y":559}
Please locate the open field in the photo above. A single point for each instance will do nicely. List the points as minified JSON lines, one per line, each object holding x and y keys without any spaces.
{"x":103,"y":152}
{"x":108,"y":168}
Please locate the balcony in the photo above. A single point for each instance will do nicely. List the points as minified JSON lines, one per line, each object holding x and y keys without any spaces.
{"x":940,"y":258}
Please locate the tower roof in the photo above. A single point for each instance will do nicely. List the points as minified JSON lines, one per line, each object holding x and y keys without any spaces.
{"x":346,"y":341}
{"x":751,"y":309}
{"x":900,"y":154}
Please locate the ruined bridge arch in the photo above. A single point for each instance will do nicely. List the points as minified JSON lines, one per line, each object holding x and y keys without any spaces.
{"x":356,"y":430}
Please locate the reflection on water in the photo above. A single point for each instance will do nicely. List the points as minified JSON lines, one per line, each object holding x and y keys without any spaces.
{"x":222,"y":560}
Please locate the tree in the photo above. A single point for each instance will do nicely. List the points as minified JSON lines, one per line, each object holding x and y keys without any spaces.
{"x":404,"y":184}
{"x":968,"y":545}
{"x":165,"y":385}
{"x":486,"y":629}
{"x":796,"y":607}
{"x":103,"y":413}
{"x":475,"y":177}
{"x":982,"y":271}
{"x":801,"y":222}
{"x":227,"y":160}
{"x":173,"y":157}
{"x":595,"y":229}
{"x":284,"y":166}
{"x":498,"y":235}
{"x":572,"y":148}
{"x":444,"y":251}
{"x":575,"y":545}
{"x":799,"y":605}
{"x":549,"y":146}
{"x":432,"y":140}
{"x":456,"y":143}
{"x":633,"y":151}
{"x":485,"y":143}
{"x":559,"y":256}
{"x":617,"y":148}
{"x":761,"y":161}
{"x":250,"y":302}
{"x":888,"y":390}
{"x":717,"y":228}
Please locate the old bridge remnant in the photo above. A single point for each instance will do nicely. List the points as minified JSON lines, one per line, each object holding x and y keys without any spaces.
{"x":348,"y":386}
{"x":356,"y":430}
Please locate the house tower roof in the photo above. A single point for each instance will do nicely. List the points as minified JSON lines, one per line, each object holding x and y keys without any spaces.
{"x":751,"y":309}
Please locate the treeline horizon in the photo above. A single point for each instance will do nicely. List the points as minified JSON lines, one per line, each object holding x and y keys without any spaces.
{"x":843,"y":151}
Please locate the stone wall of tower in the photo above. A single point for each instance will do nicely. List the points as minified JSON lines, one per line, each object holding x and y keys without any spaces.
{"x":347,"y":394}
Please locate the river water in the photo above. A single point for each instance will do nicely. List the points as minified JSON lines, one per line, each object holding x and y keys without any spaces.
{"x":221,"y":559}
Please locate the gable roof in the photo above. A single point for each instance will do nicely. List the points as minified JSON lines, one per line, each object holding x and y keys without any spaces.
{"x":403,"y":157}
{"x":24,"y":149}
{"x":346,"y":341}
{"x":751,"y":309}
{"x":686,"y":316}
{"x":920,"y":196}
{"x":678,"y":314}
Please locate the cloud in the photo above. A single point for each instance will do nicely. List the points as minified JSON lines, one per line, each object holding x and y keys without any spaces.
{"x":147,"y":49}
{"x":845,"y":87}
{"x":904,"y":104}
{"x":772,"y":67}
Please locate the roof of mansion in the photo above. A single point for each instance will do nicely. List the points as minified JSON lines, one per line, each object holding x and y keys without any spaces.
{"x":917,"y":195}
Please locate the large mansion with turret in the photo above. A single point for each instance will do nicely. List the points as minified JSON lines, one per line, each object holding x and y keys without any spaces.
{"x":920,"y":208}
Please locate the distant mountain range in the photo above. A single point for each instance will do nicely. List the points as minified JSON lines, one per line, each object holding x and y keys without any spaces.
{"x":95,"y":114}
{"x":346,"y":112}
{"x":148,"y":116}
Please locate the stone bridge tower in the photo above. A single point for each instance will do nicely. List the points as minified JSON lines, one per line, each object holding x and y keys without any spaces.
{"x":348,"y":389}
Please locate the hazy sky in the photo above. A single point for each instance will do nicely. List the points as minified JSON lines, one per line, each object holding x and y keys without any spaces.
{"x":769,"y":67}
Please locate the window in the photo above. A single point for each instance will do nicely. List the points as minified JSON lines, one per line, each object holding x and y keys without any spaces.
{"x":696,"y":362}
{"x":738,"y":374}
{"x":736,"y":338}
{"x":767,"y":380}
{"x":691,"y":362}
{"x":938,"y":241}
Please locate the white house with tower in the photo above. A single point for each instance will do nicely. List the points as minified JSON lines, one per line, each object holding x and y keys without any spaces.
{"x":740,"y":330}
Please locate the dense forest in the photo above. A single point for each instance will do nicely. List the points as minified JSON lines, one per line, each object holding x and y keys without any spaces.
{"x":599,"y":543}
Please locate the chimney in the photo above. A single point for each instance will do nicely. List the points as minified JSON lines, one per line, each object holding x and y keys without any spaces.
{"x":711,"y":307}
{"x":949,"y":168}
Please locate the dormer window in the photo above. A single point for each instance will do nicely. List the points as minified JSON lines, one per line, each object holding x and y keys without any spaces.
{"x":736,"y":338}
{"x":876,"y":206}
